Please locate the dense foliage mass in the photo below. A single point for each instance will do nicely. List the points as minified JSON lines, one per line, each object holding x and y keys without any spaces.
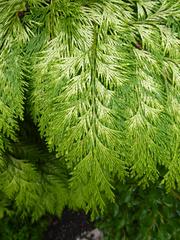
{"x":101,"y":81}
{"x":136,"y":215}
{"x":142,"y":215}
{"x":14,"y":228}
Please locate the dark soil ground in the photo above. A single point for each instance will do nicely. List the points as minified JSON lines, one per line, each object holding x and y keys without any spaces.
{"x":69,"y":227}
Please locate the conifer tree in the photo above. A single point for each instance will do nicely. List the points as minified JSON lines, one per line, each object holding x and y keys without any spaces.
{"x":101,"y":81}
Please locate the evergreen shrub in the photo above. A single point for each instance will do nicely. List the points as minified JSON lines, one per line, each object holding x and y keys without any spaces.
{"x":100,"y":80}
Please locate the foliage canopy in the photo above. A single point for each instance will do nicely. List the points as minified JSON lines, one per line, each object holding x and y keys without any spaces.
{"x":101,"y":81}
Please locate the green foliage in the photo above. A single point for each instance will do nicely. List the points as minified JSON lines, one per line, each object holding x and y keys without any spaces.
{"x":101,"y":80}
{"x":13,"y":228}
{"x":36,"y":188}
{"x":4,"y":205}
{"x":142,"y":215}
{"x":31,"y":178}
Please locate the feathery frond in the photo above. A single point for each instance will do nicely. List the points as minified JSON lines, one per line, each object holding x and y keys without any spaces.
{"x":104,"y":89}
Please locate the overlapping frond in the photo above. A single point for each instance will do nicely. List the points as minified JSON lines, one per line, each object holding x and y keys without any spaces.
{"x":13,"y":34}
{"x":154,"y":126}
{"x":104,"y":88}
{"x":34,"y":182}
{"x":76,"y":102}
{"x":100,"y":91}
